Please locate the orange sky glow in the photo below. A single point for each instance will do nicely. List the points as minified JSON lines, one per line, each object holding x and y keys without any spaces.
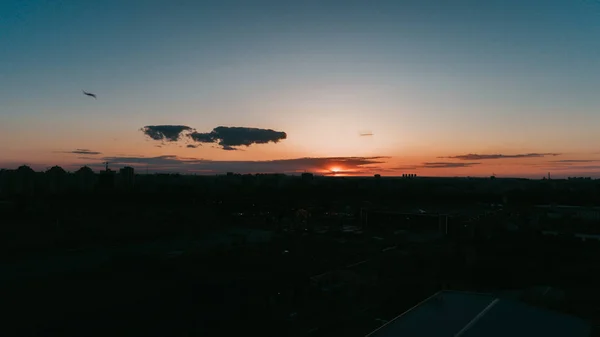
{"x":385,"y":88}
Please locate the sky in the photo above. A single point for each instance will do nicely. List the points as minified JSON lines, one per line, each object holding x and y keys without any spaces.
{"x":432,"y":87}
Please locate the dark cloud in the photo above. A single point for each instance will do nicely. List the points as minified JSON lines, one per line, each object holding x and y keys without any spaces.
{"x":366,"y":134}
{"x":203,"y":137}
{"x":345,"y":162}
{"x":228,"y":148}
{"x":447,"y":165}
{"x":429,"y":165}
{"x":231,"y":137}
{"x":576,"y":168}
{"x":347,"y":165}
{"x":172,"y":163}
{"x":473,"y":156}
{"x":228,"y":138}
{"x":403,"y":168}
{"x":191,"y":146}
{"x":565,"y":164}
{"x":574,"y":161}
{"x":169,"y":133}
{"x":82,"y":151}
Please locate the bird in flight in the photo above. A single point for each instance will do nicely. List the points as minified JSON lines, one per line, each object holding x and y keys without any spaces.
{"x":89,"y":94}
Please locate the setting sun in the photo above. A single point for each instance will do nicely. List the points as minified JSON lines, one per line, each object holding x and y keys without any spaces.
{"x":335,"y":169}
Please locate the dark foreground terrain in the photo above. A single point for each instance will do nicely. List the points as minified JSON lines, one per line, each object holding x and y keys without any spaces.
{"x":220,"y":263}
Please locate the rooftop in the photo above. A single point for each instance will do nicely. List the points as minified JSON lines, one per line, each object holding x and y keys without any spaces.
{"x":596,"y":208}
{"x":463,"y":314}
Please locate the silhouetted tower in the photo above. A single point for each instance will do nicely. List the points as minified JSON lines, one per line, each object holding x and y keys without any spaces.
{"x":127,"y":177}
{"x":106,"y":180}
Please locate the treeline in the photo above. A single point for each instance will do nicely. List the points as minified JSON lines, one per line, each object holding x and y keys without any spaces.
{"x":56,"y":182}
{"x":286,"y":189}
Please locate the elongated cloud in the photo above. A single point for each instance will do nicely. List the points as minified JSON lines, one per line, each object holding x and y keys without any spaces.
{"x":570,"y":164}
{"x":576,"y":168}
{"x":229,"y":138}
{"x":574,"y":161}
{"x":168,"y":133}
{"x":430,"y":165}
{"x":82,"y":151}
{"x":172,"y":163}
{"x":447,"y":165}
{"x":473,"y":156}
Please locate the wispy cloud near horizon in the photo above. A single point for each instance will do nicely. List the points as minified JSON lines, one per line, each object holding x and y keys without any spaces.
{"x":433,"y":165}
{"x":473,"y":156}
{"x":447,"y":165}
{"x":576,"y":168}
{"x":573,"y":161}
{"x":173,"y":163}
{"x":81,"y":151}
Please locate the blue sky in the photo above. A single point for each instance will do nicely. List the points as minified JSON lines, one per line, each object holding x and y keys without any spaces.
{"x":427,"y":78}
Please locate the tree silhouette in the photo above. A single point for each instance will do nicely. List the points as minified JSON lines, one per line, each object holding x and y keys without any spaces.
{"x":24,"y":169}
{"x":84,"y":170}
{"x":56,"y":171}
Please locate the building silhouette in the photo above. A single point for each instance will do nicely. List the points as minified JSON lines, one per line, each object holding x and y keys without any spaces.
{"x":455,"y":313}
{"x":127,"y":177}
{"x":106,"y":179}
{"x":307,"y":176}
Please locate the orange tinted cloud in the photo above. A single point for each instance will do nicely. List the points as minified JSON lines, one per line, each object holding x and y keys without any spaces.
{"x":83,"y":151}
{"x":473,"y":156}
{"x":172,"y":163}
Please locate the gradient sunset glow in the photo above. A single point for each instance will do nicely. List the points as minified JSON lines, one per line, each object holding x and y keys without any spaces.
{"x":432,"y":87}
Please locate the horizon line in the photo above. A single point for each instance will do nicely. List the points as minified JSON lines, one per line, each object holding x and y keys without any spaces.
{"x":298,"y":174}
